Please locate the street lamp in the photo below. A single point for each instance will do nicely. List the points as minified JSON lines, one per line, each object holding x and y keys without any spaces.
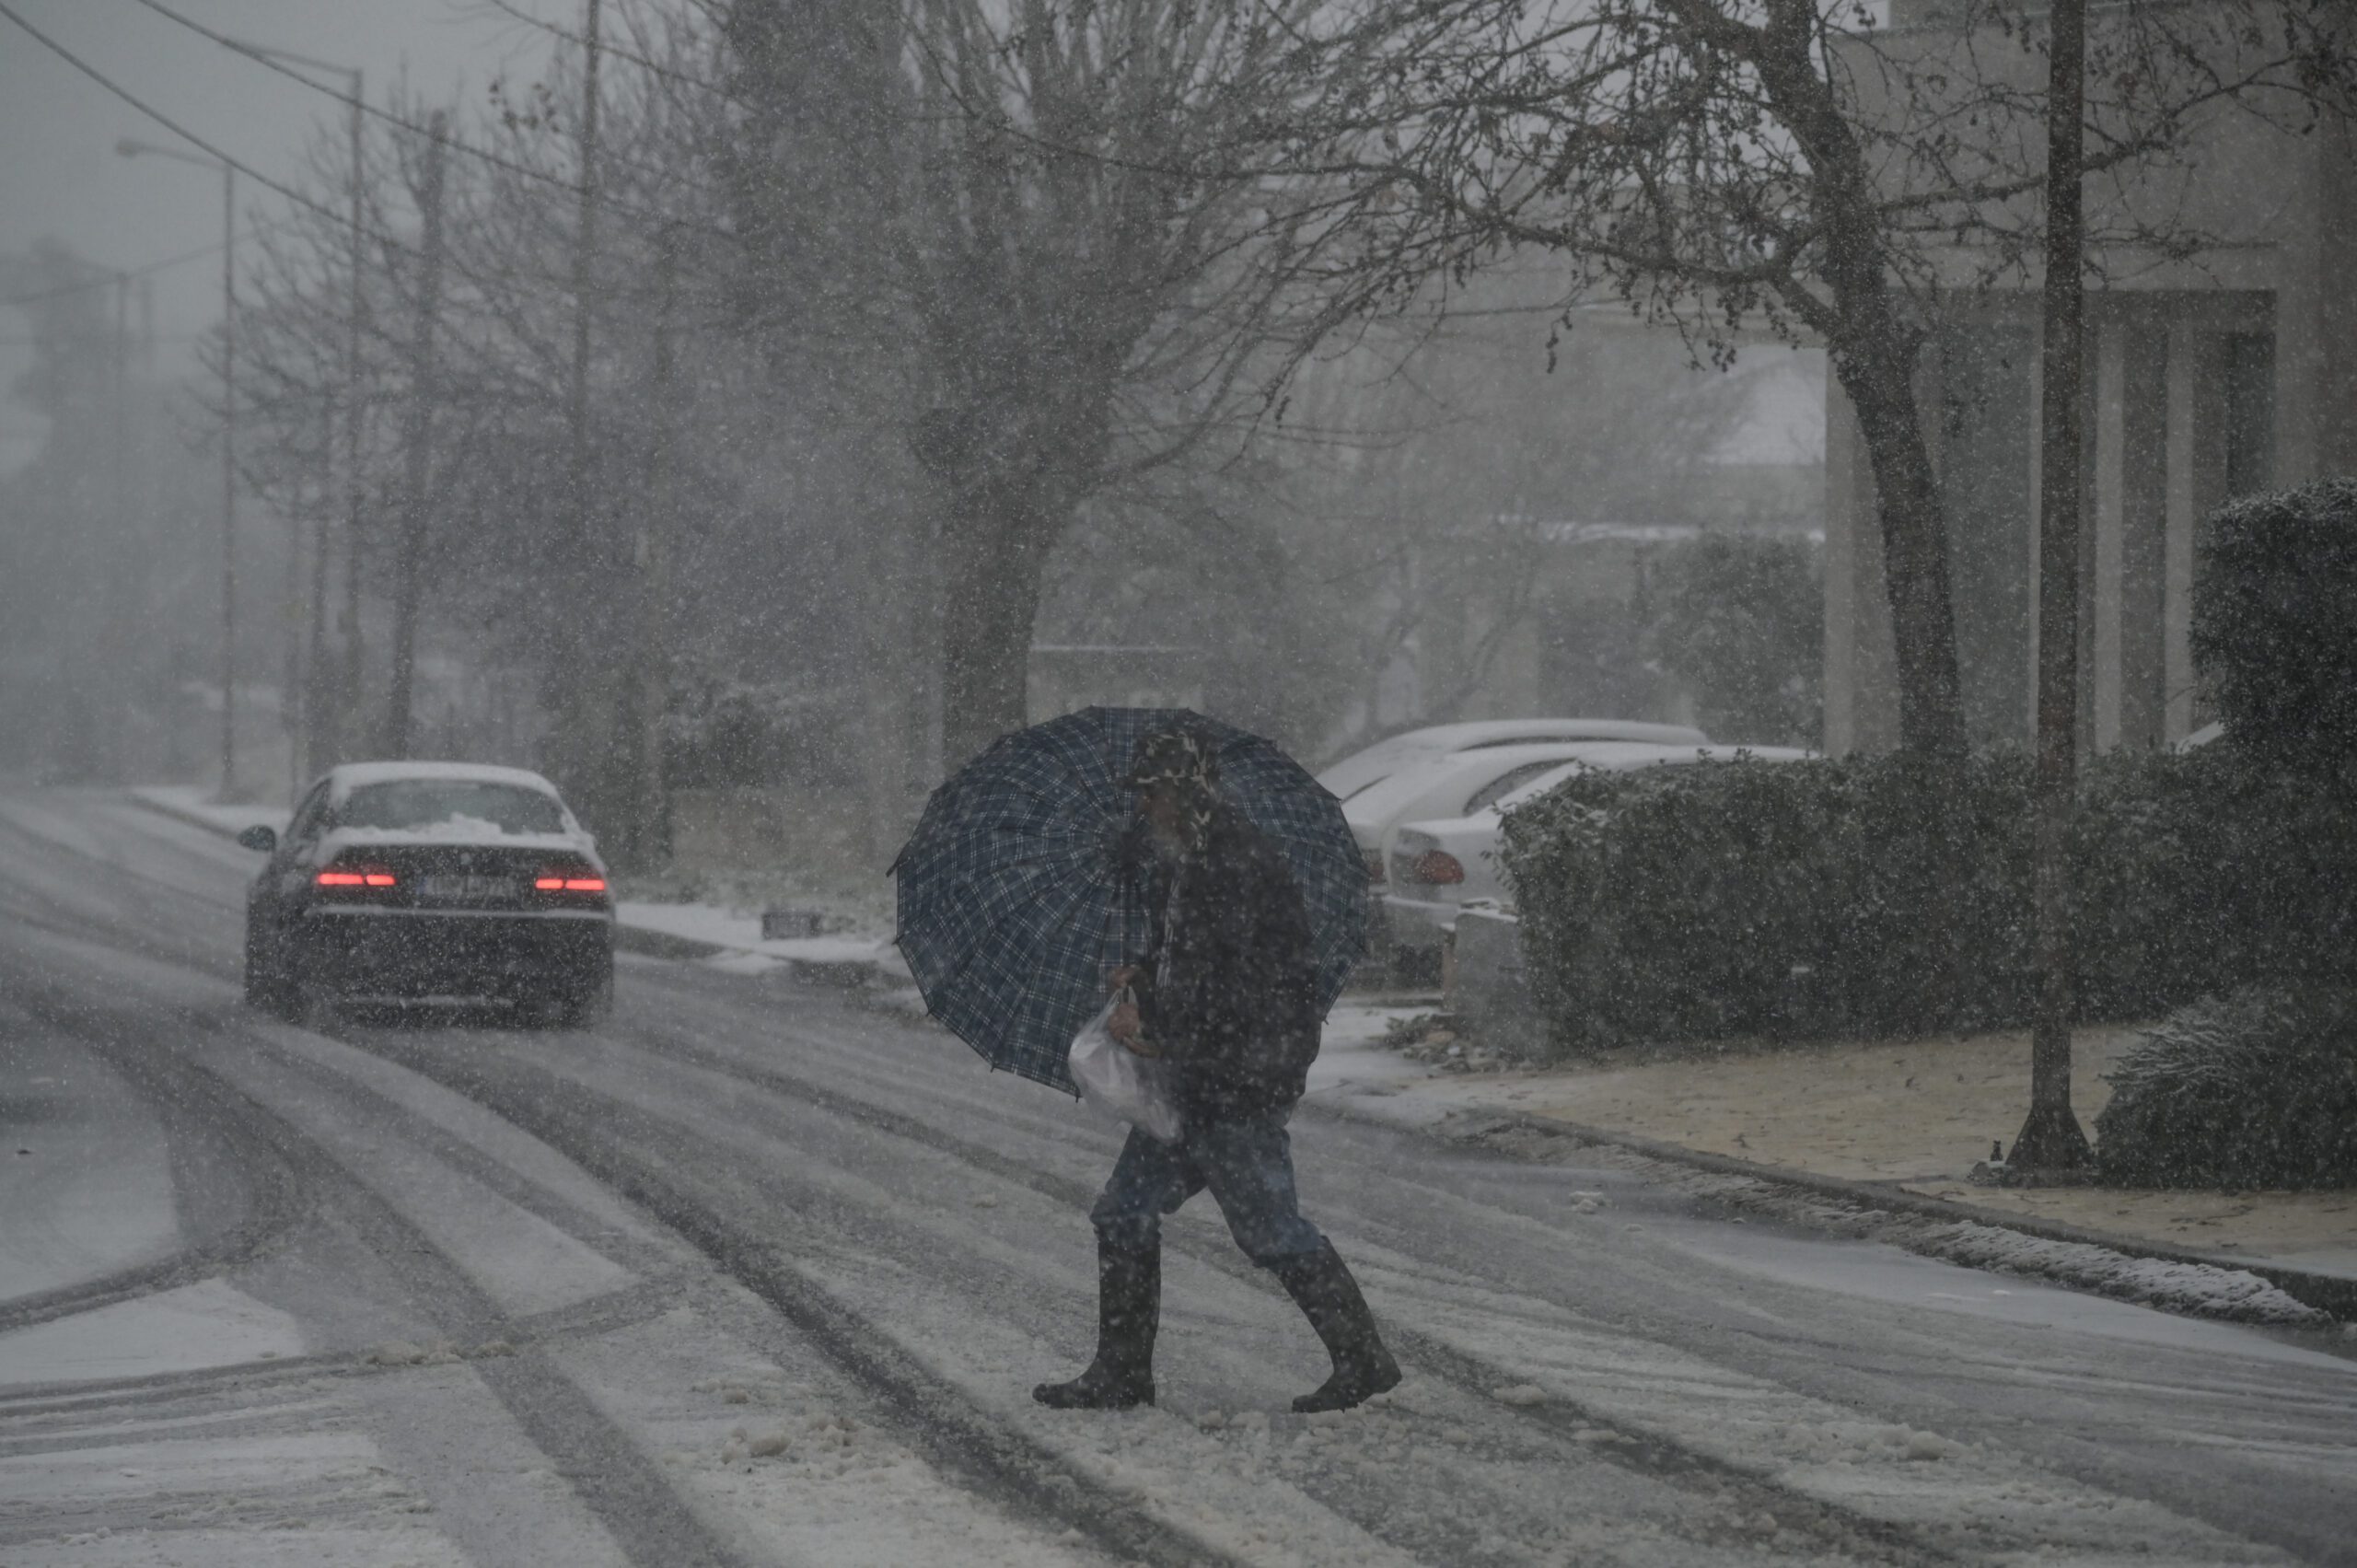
{"x":318,"y":710}
{"x":127,"y":147}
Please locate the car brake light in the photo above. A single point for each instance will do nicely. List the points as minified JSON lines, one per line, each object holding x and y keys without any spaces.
{"x":1437,"y":866}
{"x":356,"y":877}
{"x":569,"y":881}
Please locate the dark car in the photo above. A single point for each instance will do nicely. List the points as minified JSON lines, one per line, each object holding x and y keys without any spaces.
{"x":431,"y":880}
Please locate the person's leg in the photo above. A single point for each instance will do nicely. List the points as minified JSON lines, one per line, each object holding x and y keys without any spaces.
{"x":1150,"y":1180}
{"x":1248,"y":1166}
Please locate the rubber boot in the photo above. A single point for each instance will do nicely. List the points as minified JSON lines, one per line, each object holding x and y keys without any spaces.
{"x":1321,"y":1286}
{"x":1128,"y":1308}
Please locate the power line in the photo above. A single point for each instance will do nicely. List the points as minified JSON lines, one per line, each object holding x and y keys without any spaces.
{"x":174,"y":126}
{"x":292,"y":195}
{"x":495,"y":159}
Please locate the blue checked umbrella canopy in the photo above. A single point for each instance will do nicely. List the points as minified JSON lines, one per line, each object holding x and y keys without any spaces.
{"x":1017,"y":899}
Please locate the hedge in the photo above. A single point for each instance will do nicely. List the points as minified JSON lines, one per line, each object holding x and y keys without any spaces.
{"x":1881,"y":895}
{"x":2274,"y":632}
{"x":2254,"y":1089}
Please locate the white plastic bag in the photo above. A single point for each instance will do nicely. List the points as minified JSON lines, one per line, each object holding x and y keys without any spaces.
{"x":1121,"y":1083}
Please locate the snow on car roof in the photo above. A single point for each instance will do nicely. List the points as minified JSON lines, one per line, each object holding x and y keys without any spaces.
{"x":1379,"y":800}
{"x":346,"y":777}
{"x":468,"y":831}
{"x":1371,"y":765}
{"x":1621,"y":756}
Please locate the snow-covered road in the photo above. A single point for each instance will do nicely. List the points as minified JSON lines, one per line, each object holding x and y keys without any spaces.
{"x":753,"y":1275}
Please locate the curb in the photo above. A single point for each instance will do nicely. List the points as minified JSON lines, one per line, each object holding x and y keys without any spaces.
{"x":173,"y":813}
{"x":663,"y":945}
{"x":2331,"y":1295}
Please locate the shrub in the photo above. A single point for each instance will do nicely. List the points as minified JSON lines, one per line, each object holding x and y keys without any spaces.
{"x":2254,"y":1089}
{"x":2275,"y":624}
{"x":1879,"y":895}
{"x":1739,"y":622}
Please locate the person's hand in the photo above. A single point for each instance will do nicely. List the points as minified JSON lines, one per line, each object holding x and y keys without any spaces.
{"x":1125,"y":977}
{"x":1129,"y":1029}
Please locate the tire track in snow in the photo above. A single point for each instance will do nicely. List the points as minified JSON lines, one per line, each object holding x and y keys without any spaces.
{"x":208,"y":1150}
{"x":554,"y":1104}
{"x":620,"y":1486}
{"x":1891,"y":1520}
{"x":936,"y":1420}
{"x":928,"y":1134}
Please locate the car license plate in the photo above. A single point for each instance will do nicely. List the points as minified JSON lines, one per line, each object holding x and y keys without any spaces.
{"x":456,"y":888}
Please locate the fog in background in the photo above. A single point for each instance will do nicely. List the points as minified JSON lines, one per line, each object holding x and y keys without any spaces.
{"x":830,"y":409}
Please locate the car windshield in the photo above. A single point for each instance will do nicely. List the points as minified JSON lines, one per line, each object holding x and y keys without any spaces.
{"x":451,"y":806}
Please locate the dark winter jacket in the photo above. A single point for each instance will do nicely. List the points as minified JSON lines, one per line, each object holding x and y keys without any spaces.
{"x":1230,"y":994}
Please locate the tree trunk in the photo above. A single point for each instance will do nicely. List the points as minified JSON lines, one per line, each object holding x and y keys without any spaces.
{"x":990,"y":601}
{"x":2052,"y":1139}
{"x":1874,"y":354}
{"x":1877,"y":377}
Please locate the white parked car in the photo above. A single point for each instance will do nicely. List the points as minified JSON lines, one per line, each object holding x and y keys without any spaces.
{"x":1452,"y":785}
{"x":1436,"y":866}
{"x":1360,"y":770}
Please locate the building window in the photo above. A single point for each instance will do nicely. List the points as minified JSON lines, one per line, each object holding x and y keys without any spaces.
{"x":2248,"y":370}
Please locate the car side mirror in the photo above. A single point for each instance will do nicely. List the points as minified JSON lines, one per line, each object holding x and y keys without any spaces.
{"x":259,"y":839}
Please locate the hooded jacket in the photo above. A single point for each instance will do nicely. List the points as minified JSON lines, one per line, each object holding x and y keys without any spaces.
{"x":1230,"y":994}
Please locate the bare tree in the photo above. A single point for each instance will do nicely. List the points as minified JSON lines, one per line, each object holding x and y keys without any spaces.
{"x":1790,"y":167}
{"x":1080,"y":282}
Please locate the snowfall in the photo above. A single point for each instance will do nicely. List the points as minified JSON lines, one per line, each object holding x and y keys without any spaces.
{"x":761,"y":1270}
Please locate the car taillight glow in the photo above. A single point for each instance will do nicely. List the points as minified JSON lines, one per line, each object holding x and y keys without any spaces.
{"x":1438,"y":866}
{"x":569,"y":883}
{"x":356,"y":877}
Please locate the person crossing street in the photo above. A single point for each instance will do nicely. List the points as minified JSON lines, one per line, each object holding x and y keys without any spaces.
{"x":1227,"y":997}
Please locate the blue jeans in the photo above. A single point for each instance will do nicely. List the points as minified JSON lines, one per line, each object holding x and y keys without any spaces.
{"x":1247,"y":1163}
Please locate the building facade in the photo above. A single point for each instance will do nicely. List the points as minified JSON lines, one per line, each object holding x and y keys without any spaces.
{"x":2208,"y":378}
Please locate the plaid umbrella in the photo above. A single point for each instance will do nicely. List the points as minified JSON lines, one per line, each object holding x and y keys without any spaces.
{"x":1017,"y":897}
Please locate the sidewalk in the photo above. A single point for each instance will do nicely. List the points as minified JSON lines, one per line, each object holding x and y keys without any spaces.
{"x":1898,"y":1118}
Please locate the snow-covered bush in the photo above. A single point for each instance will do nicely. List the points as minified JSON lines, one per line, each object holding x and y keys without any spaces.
{"x":1875,"y":895}
{"x":2275,"y":625}
{"x":2254,"y":1089}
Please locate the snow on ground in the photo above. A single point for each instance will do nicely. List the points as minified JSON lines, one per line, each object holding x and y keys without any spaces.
{"x":207,"y":1324}
{"x":1917,"y":1113}
{"x":1354,"y":1062}
{"x":1589,"y":1377}
{"x":197,"y":802}
{"x":85,"y":1178}
{"x":740,"y":932}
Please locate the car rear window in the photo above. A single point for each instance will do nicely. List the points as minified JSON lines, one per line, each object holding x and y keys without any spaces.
{"x":416,"y":805}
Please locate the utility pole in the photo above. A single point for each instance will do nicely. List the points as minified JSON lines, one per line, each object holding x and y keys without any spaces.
{"x":417,"y":438}
{"x":129,"y":556}
{"x":230,"y":483}
{"x":321,"y":720}
{"x":650,"y":817}
{"x":355,"y":415}
{"x":576,"y":735}
{"x":2051,"y":1139}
